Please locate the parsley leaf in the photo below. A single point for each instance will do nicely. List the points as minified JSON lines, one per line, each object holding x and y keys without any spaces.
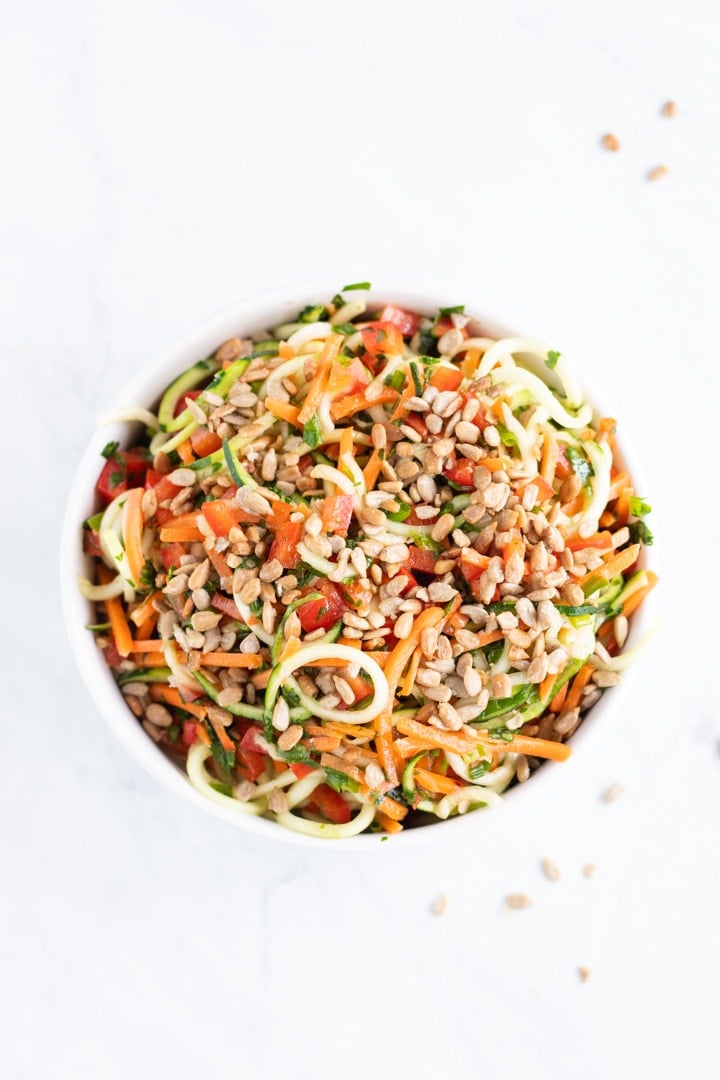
{"x":147,"y":577}
{"x":416,"y":378}
{"x":579,"y":464}
{"x":356,"y":285}
{"x":338,"y":781}
{"x":640,"y":533}
{"x":478,"y":769}
{"x":552,"y":358}
{"x":312,"y":435}
{"x":312,"y":314}
{"x":298,"y":755}
{"x":110,"y":450}
{"x":459,"y":309}
{"x":639,"y":508}
{"x":225,"y":759}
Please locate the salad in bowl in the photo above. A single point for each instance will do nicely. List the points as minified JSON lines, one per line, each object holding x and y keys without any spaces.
{"x":364,"y":569}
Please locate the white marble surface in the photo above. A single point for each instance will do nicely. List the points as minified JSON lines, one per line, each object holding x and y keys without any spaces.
{"x":161,"y":160}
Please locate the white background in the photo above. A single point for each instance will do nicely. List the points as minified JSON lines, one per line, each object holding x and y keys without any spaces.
{"x":162,"y":160}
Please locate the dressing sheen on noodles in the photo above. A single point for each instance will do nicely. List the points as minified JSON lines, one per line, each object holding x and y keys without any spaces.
{"x":367,"y":570}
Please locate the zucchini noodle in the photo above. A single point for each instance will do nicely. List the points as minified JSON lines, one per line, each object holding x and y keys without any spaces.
{"x":378,"y":673}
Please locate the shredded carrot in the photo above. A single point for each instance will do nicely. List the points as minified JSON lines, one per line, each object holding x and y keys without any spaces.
{"x":116,"y":616}
{"x":202,"y":735}
{"x":354,"y":643}
{"x":549,"y":459}
{"x":145,"y":610}
{"x":359,"y":402}
{"x":260,"y":679}
{"x":392,"y":808}
{"x":558,"y":702}
{"x":185,"y":452}
{"x":613,"y":566}
{"x":634,"y":601}
{"x":546,"y":686}
{"x":597,"y":540}
{"x":394,"y":668}
{"x":372,"y":470}
{"x":186,"y":534}
{"x":222,"y":735}
{"x":148,"y":627}
{"x":400,"y":409}
{"x":150,"y":659}
{"x":470,"y":363}
{"x":283,"y":410}
{"x":423,"y":735}
{"x":574,"y":696}
{"x":285,"y":351}
{"x":148,"y":645}
{"x":222,"y":569}
{"x":388,"y":824}
{"x":132,"y":533}
{"x":435,"y":782}
{"x":606,"y":430}
{"x":493,"y":464}
{"x":169,"y":695}
{"x":317,"y":385}
{"x":409,"y":680}
{"x":489,"y":637}
{"x":325,"y":742}
{"x":232,"y":659}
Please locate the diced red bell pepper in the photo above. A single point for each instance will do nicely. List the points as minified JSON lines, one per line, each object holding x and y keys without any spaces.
{"x":445,"y":378}
{"x":222,"y":515}
{"x":112,"y":656}
{"x":337,"y":514}
{"x":406,"y":321}
{"x":163,"y":515}
{"x":325,"y":612}
{"x":223,"y":603}
{"x":180,"y":405}
{"x":172,"y":554}
{"x":330,"y":804}
{"x":444,"y":324}
{"x":126,"y":469}
{"x":417,"y":423}
{"x":253,"y":762}
{"x":284,"y":546}
{"x":460,"y":470}
{"x":164,"y":487}
{"x":249,"y":741}
{"x":344,"y":381}
{"x":91,"y":543}
{"x":205,"y":442}
{"x":357,"y":594}
{"x":300,"y":770}
{"x":545,"y":490}
{"x":189,"y":733}
{"x":563,"y":467}
{"x":382,"y":339}
{"x":422,"y":559}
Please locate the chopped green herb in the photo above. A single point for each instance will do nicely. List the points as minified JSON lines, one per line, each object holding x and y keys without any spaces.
{"x":147,"y":577}
{"x":225,"y":759}
{"x":579,"y":464}
{"x":427,"y":344}
{"x":338,"y":781}
{"x":552,"y":358}
{"x":478,"y":769}
{"x":639,"y":508}
{"x":312,"y":313}
{"x":173,"y":733}
{"x":346,"y":328}
{"x":357,"y":285}
{"x":396,"y":380}
{"x":312,"y":434}
{"x":299,"y":755}
{"x":110,"y":450}
{"x":640,"y":533}
{"x":291,"y":696}
{"x":459,"y":309}
{"x":416,"y":378}
{"x":97,"y":626}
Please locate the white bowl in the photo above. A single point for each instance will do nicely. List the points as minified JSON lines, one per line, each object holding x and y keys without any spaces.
{"x":245,"y":318}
